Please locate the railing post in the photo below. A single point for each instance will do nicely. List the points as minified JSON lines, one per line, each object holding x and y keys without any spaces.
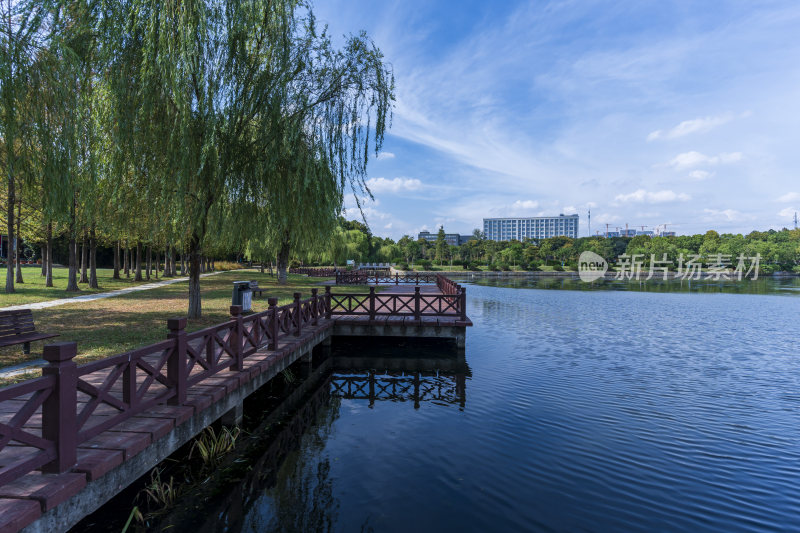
{"x":237,"y":338}
{"x":372,"y":303}
{"x":417,"y":314}
{"x":272,"y":323}
{"x":314,"y":307}
{"x":463,"y":303}
{"x":298,"y":315}
{"x":59,"y":410}
{"x":176,"y":365}
{"x":417,"y":280}
{"x":328,"y":309}
{"x":396,"y":278}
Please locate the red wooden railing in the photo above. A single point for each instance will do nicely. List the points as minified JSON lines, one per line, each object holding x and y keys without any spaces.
{"x":44,"y":420}
{"x":362,"y":277}
{"x":315,"y":272}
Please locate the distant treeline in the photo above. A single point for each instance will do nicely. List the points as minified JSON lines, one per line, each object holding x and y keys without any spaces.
{"x":779,"y":250}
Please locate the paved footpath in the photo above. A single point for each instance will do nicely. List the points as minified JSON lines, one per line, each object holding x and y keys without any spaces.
{"x":101,"y":295}
{"x":23,"y":368}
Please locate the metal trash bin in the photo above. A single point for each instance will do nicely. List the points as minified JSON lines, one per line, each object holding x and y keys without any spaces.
{"x":242,"y":295}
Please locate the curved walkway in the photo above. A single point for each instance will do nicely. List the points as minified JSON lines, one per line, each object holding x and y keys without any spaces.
{"x":101,"y":295}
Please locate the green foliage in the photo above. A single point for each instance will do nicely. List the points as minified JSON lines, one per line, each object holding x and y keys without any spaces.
{"x":211,"y":446}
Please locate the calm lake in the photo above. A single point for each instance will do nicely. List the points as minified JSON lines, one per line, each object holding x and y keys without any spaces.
{"x":669,"y":409}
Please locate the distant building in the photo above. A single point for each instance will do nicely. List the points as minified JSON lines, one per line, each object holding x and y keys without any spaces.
{"x":647,"y":232}
{"x":452,"y":239}
{"x":506,"y":229}
{"x":667,"y":234}
{"x":611,"y":234}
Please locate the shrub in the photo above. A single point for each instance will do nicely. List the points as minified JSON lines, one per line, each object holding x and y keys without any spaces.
{"x":229,"y":265}
{"x":403,"y":266}
{"x":493,"y":267}
{"x":505,"y":267}
{"x":474,"y":266}
{"x":294,"y":263}
{"x":425,"y":264}
{"x":558,"y":268}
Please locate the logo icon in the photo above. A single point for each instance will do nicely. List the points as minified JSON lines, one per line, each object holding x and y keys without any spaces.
{"x":591,"y":266}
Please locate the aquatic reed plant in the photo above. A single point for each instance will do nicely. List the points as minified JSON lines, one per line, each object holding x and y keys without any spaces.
{"x":212,"y":446}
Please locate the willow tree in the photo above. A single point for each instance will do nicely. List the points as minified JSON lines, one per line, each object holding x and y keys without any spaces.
{"x":216,"y":82}
{"x":20,"y":37}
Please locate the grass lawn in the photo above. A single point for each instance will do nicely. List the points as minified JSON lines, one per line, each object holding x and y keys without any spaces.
{"x":33,"y":290}
{"x":114,"y":325}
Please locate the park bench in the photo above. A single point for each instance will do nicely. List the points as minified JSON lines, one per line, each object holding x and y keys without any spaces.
{"x":255,"y":288}
{"x":16,"y":327}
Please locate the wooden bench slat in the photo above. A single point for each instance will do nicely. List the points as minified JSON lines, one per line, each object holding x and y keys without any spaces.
{"x":17,"y":327}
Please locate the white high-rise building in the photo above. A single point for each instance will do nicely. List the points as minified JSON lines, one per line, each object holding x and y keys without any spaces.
{"x":506,"y":229}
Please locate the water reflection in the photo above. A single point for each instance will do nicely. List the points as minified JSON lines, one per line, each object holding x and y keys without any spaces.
{"x":289,"y":486}
{"x":789,"y":285}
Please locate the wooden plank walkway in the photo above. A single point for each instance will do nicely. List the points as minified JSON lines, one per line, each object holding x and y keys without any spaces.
{"x":126,"y":406}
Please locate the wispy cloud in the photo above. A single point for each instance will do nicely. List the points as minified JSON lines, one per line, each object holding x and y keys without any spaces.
{"x":687,"y":127}
{"x":729,"y":215}
{"x":655,"y":197}
{"x":700,"y":175}
{"x":394,"y":186}
{"x":789,"y":197}
{"x":385,"y":155}
{"x":693,"y":159}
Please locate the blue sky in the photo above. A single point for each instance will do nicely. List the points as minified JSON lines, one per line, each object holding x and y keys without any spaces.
{"x":685,"y":113}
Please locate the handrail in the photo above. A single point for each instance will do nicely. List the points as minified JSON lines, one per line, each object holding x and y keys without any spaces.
{"x":79,"y":402}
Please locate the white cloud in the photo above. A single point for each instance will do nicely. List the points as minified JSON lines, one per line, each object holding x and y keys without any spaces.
{"x":730,"y":215}
{"x":525,"y":204}
{"x":385,"y":155}
{"x":694,"y":159}
{"x":388,"y":226}
{"x":652,"y":197}
{"x":700,"y":175}
{"x":790,"y":197}
{"x":569,"y":210}
{"x":394,"y":186}
{"x":687,"y":127}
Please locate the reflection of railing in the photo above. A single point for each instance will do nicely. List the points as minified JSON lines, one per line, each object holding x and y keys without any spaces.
{"x":416,"y":387}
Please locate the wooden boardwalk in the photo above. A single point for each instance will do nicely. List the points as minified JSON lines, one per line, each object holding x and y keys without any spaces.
{"x":73,"y":438}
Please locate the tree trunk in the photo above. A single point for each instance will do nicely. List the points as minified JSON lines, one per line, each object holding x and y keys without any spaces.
{"x":262,"y":266}
{"x":149,"y":267}
{"x":72,"y":277}
{"x":10,"y":213}
{"x":158,"y":262}
{"x":195,"y":306}
{"x":138,"y":276}
{"x":19,"y":242}
{"x":44,"y":260}
{"x":183,"y":264}
{"x":84,"y":259}
{"x":93,"y":259}
{"x":283,"y":262}
{"x":213,"y":266}
{"x":125,"y":260}
{"x":116,"y":260}
{"x":49,"y":279}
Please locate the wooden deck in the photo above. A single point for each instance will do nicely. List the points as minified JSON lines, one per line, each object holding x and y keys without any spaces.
{"x":129,"y":413}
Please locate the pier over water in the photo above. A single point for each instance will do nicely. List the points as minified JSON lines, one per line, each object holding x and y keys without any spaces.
{"x":73,"y":438}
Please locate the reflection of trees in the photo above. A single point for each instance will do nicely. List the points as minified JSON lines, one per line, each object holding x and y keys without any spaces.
{"x":302,"y":490}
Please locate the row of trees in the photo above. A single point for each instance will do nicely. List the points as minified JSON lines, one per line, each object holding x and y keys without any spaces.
{"x":779,"y":250}
{"x":204,"y":128}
